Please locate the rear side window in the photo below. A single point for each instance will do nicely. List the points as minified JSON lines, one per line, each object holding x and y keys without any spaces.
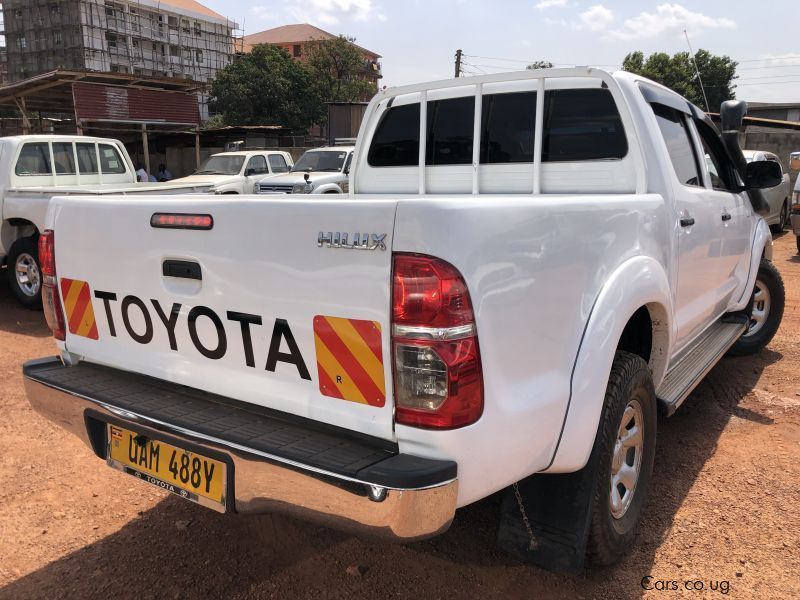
{"x":87,"y":158}
{"x":278,"y":164}
{"x":672,"y":124}
{"x":34,"y":159}
{"x":63,"y":158}
{"x":396,"y":140}
{"x":507,"y":123}
{"x":451,"y":125}
{"x":582,"y":124}
{"x":110,"y":160}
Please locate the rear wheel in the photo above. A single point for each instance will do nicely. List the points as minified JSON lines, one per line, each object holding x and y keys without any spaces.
{"x":782,"y":218}
{"x":24,"y":273}
{"x":627,"y":439}
{"x":768,"y":301}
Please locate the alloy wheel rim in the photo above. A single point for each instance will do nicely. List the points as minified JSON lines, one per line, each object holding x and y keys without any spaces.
{"x":762,"y":302}
{"x":28,"y":277}
{"x":626,"y":462}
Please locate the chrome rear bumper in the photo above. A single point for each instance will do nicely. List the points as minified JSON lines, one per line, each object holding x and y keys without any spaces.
{"x":263,"y":482}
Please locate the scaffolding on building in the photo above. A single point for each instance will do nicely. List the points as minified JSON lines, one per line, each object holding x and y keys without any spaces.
{"x":148,"y":38}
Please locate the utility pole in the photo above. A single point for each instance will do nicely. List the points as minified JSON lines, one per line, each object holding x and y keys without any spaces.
{"x":458,"y":63}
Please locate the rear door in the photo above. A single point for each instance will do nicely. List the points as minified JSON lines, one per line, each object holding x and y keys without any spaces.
{"x":254,"y":308}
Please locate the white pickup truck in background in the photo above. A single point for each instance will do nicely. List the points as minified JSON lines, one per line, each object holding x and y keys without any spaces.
{"x":319,"y":171}
{"x":239,"y":172}
{"x":528,"y":267}
{"x":34,"y":168}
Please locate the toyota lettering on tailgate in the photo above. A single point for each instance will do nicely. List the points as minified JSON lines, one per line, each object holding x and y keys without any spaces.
{"x":167,"y":317}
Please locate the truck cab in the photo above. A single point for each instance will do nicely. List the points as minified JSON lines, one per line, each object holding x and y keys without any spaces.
{"x":239,"y":172}
{"x":320,"y":171}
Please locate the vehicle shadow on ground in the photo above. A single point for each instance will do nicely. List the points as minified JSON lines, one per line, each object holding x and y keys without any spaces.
{"x":14,"y":318}
{"x":156,"y":555}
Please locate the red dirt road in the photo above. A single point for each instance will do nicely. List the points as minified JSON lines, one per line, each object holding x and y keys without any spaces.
{"x":724,"y":512}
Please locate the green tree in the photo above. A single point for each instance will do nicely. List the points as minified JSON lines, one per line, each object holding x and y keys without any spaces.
{"x":678,"y":73}
{"x":266,"y":87}
{"x":339,"y":70}
{"x":540,"y":64}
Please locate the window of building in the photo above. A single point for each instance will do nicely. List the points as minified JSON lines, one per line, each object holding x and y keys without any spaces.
{"x":111,"y":39}
{"x":63,"y":158}
{"x":55,"y":8}
{"x":508,"y":124}
{"x":172,"y":23}
{"x":672,"y":124}
{"x":87,"y":158}
{"x":58,"y":38}
{"x":34,"y":159}
{"x":185,"y":25}
{"x":22,"y":43}
{"x":278,"y":164}
{"x":297,"y":50}
{"x":451,"y":125}
{"x":582,"y":124}
{"x":187,"y":54}
{"x":110,"y":160}
{"x":174,"y":51}
{"x":199,"y":56}
{"x":198,"y":29}
{"x":396,"y":140}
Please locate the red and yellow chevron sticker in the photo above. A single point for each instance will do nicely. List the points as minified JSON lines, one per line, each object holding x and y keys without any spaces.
{"x":77,"y":299}
{"x":350,"y":360}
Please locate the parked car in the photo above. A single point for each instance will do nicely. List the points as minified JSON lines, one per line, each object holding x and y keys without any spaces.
{"x":794,"y":215}
{"x":33,"y":169}
{"x":502,"y":313}
{"x":778,"y":196}
{"x":239,"y":172}
{"x":319,"y":171}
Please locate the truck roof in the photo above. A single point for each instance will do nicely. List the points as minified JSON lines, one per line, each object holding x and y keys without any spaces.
{"x":47,"y":137}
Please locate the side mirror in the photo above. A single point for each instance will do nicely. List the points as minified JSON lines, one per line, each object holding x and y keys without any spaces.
{"x":763,"y":174}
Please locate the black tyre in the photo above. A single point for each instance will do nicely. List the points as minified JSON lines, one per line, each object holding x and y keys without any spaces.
{"x":24,"y":272}
{"x":768,"y":301}
{"x":797,"y":239}
{"x":782,"y":219}
{"x":627,"y":444}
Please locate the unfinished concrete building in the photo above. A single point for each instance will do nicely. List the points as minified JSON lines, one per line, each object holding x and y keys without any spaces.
{"x":151,"y":38}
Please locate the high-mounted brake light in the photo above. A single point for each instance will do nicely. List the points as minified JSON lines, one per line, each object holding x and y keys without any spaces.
{"x":437,"y":364}
{"x":51,"y":301}
{"x":181,"y":221}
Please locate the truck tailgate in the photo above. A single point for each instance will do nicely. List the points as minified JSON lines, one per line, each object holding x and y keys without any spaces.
{"x":253,"y":309}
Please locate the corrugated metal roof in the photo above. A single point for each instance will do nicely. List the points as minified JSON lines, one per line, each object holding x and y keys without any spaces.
{"x":115,"y":103}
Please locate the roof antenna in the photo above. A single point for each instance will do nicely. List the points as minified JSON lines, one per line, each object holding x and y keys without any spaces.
{"x":696,"y":70}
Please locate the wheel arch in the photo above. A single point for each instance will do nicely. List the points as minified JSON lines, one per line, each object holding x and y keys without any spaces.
{"x":761,"y":249}
{"x":13,"y":229}
{"x":636,"y":295}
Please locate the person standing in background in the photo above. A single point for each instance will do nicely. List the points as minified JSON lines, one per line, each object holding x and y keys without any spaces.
{"x":141,"y":174}
{"x":163,"y":173}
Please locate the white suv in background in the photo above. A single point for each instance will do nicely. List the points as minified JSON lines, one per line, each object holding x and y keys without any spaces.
{"x":778,"y":196}
{"x":319,"y":171}
{"x":238,"y":172}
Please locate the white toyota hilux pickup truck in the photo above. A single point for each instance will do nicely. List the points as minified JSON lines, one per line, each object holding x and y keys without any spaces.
{"x":528,"y":268}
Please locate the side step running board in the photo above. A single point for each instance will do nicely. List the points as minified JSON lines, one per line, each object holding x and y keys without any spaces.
{"x":690,"y":370}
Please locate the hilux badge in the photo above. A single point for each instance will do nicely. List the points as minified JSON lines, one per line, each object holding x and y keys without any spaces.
{"x":360,"y":241}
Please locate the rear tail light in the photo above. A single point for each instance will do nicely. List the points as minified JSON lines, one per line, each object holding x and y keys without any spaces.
{"x":437,"y":364}
{"x":795,"y":201}
{"x":51,"y":301}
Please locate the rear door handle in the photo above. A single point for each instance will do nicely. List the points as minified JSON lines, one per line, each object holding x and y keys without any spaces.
{"x":687,"y":221}
{"x":182,"y":268}
{"x":726,"y":216}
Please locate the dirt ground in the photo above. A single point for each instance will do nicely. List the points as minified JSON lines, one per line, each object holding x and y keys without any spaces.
{"x":724,"y":514}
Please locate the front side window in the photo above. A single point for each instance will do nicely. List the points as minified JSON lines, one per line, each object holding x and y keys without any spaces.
{"x":451,"y":125}
{"x":110,"y":160}
{"x":720,"y":170}
{"x":34,"y":159}
{"x":396,"y":140}
{"x":507,"y":128}
{"x":278,"y":164}
{"x":672,"y":124}
{"x":257,"y":166}
{"x":582,"y":124}
{"x":63,"y":159}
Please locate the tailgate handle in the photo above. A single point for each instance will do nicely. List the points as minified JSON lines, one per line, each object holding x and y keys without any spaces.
{"x":182,"y":268}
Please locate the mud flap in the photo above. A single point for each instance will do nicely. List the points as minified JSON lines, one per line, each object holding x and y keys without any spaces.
{"x":559,"y":509}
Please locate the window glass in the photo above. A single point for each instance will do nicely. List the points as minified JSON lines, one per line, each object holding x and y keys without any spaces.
{"x":63,"y":158}
{"x":451,"y":125}
{"x":278,"y":163}
{"x":34,"y":159}
{"x":110,"y":160}
{"x":257,"y":165}
{"x":582,"y":124}
{"x":87,"y":158}
{"x":715,"y":159}
{"x":321,"y":160}
{"x":396,"y":140}
{"x":679,"y":145}
{"x":507,"y":125}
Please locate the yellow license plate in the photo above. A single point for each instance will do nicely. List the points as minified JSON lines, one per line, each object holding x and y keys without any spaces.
{"x":187,"y":474}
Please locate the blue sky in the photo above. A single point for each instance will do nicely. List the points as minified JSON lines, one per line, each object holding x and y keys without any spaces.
{"x":418,"y":38}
